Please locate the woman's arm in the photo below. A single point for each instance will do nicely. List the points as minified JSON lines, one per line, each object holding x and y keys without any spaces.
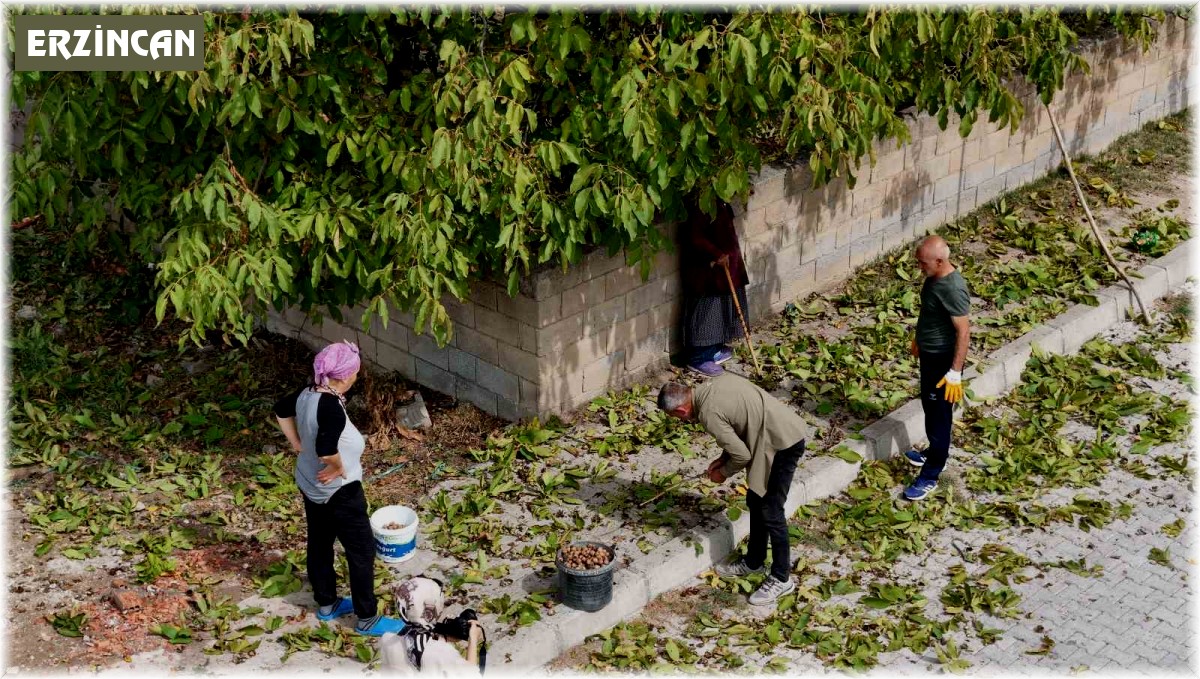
{"x":285,"y":414}
{"x":473,"y":643}
{"x":288,"y":425}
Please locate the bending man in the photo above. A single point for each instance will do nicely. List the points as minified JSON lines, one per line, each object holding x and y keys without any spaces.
{"x":766,"y":438}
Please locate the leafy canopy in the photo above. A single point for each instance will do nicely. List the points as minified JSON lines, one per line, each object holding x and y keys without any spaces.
{"x":329,"y":159}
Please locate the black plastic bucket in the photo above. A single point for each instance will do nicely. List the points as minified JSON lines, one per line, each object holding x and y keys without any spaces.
{"x":587,"y":590}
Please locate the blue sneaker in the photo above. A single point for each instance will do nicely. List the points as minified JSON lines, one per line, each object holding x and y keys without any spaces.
{"x":723,"y":354}
{"x":915,"y":457}
{"x":382,"y":626}
{"x":343,"y":607}
{"x":919,"y":489}
{"x":707,"y":368}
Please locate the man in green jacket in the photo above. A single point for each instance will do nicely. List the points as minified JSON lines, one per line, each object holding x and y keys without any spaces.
{"x":766,"y":438}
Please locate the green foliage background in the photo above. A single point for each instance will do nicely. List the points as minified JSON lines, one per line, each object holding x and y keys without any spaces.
{"x":330,"y":158}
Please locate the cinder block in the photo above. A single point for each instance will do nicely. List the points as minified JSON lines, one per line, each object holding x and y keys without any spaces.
{"x":529,"y":339}
{"x":652,"y":294}
{"x":599,"y":263}
{"x":476,"y":344}
{"x":603,"y":372}
{"x":990,"y":189}
{"x":434,"y":377}
{"x":995,"y":142}
{"x":644,"y":352}
{"x":976,"y":173}
{"x":751,"y":224}
{"x":575,"y":356}
{"x":620,"y":281}
{"x":947,"y":188}
{"x":529,"y":395}
{"x":553,"y":280}
{"x":1143,"y":99}
{"x":508,"y":410}
{"x":919,"y":150}
{"x":798,"y":283}
{"x":1130,"y":82}
{"x":1010,"y":157}
{"x":516,"y":360}
{"x":461,"y":363}
{"x":469,"y":391}
{"x":1038,"y":146}
{"x":497,"y":325}
{"x":425,"y":348}
{"x":538,"y":313}
{"x":866,"y":197}
{"x":887,"y":165}
{"x":582,"y":297}
{"x":484,"y":294}
{"x":391,"y":358}
{"x":831,"y":269}
{"x":629,"y":331}
{"x":602,"y":317}
{"x":462,"y":313}
{"x":865,"y":250}
{"x":498,"y":381}
{"x":767,"y":191}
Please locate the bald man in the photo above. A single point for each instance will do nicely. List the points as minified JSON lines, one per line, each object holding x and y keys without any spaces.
{"x":943,"y":333}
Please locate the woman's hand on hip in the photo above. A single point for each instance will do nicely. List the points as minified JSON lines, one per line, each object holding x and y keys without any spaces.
{"x":331,"y":470}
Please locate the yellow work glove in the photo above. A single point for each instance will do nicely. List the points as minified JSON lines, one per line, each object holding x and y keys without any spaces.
{"x":953,"y":384}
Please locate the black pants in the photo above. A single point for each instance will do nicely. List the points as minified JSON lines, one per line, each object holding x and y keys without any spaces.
{"x":345,"y":519}
{"x":939,"y":413}
{"x":768,"y":517}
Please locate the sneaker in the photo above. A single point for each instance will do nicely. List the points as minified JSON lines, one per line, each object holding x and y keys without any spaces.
{"x":382,"y":626}
{"x":919,"y":489}
{"x":343,"y":607}
{"x":723,"y":354}
{"x":915,"y":457}
{"x":707,"y":368}
{"x":771,"y":590}
{"x":737,"y":569}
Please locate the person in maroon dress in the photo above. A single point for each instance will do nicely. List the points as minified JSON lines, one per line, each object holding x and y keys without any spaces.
{"x":710,"y":320}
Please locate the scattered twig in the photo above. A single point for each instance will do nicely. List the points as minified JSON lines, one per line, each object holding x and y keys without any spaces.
{"x":28,"y":221}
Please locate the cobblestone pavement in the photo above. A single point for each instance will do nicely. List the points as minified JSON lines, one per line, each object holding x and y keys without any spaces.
{"x":1114,"y":610}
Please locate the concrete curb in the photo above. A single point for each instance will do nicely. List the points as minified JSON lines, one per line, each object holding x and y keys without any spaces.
{"x":677,"y":562}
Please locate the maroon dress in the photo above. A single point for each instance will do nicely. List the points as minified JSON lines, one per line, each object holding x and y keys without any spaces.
{"x":709,"y":316}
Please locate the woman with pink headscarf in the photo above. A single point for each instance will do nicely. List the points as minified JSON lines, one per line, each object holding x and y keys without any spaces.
{"x":329,"y":475}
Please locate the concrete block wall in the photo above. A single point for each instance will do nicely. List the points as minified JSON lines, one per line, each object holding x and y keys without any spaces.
{"x":569,"y":337}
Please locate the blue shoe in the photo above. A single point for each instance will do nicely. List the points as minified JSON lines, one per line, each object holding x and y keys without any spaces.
{"x":919,"y":489}
{"x":707,"y":368}
{"x":382,"y":626}
{"x":343,"y":607}
{"x":723,"y":354}
{"x":915,"y":457}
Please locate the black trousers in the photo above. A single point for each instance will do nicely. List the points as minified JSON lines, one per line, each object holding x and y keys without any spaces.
{"x":768,"y":517}
{"x":939,"y":413}
{"x":344,"y":518}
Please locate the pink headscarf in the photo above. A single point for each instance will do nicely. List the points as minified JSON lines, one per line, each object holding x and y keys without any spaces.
{"x":339,"y":361}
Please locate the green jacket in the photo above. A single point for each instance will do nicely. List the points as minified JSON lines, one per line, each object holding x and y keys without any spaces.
{"x":749,"y":424}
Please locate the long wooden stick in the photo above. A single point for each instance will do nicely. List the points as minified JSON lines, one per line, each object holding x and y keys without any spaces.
{"x":1092,"y":220}
{"x":745,"y":327}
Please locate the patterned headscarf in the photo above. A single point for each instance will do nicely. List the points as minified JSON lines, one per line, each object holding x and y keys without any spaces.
{"x":338,"y":361}
{"x":419,"y":601}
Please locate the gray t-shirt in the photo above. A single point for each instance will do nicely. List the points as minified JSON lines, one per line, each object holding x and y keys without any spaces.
{"x":941,"y":299}
{"x":350,"y":446}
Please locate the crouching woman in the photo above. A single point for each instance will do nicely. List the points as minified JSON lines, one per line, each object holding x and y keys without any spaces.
{"x":425,"y":646}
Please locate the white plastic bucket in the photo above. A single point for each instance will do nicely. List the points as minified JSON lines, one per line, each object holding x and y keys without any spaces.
{"x":395,"y":546}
